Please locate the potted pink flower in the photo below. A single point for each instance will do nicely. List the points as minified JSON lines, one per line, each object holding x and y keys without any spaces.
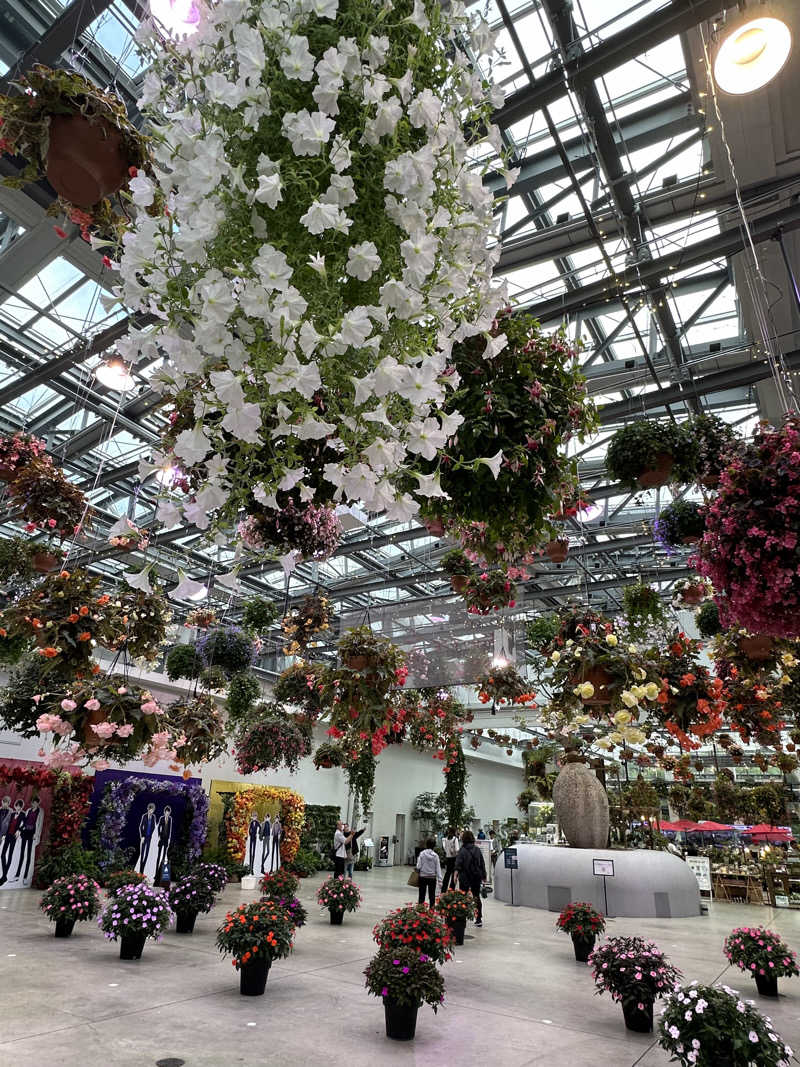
{"x":339,"y":895}
{"x":763,"y":955}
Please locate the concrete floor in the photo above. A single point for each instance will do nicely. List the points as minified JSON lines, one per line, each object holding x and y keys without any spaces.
{"x":514,"y":993}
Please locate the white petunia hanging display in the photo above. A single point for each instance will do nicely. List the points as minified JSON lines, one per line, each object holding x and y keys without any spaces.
{"x":327,"y":238}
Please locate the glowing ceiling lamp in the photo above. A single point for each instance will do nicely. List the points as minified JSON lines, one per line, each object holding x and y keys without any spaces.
{"x":752,"y":50}
{"x":167,"y":475}
{"x":178,"y":18}
{"x":113,"y":374}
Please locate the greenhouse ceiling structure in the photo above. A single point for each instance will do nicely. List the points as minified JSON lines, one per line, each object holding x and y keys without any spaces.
{"x":626,"y":224}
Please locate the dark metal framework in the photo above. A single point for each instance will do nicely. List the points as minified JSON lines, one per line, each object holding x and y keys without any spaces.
{"x":620,"y":224}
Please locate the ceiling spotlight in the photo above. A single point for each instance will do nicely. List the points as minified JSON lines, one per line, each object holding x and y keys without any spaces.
{"x":178,"y":18}
{"x":167,"y":475}
{"x":113,"y":374}
{"x":752,"y":50}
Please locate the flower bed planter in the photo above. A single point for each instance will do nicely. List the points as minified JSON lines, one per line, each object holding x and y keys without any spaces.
{"x":657,"y":475}
{"x":64,"y":927}
{"x":184,"y":921}
{"x":131,"y":946}
{"x":639,"y":1019}
{"x":85,"y":160}
{"x":401,"y":1020}
{"x":253,"y":977}
{"x":766,"y":984}
{"x":583,"y":946}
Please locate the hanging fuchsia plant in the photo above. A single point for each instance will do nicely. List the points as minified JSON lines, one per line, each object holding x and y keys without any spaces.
{"x":749,"y":550}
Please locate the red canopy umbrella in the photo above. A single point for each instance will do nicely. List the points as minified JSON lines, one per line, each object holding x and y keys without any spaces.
{"x":711,"y":826}
{"x":763,"y":831}
{"x":681,"y":824}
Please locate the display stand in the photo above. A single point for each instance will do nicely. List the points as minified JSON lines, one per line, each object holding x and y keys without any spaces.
{"x":511,"y":864}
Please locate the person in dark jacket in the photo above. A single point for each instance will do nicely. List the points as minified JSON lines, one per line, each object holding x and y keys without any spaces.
{"x":471,"y":870}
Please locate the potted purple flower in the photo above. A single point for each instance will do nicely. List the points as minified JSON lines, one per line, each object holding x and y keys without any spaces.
{"x":188,"y":897}
{"x":135,"y":913}
{"x":405,"y":980}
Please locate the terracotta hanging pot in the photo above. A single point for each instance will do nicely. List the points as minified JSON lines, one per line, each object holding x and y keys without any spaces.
{"x":85,"y":160}
{"x":458,"y":582}
{"x":658,"y":474}
{"x":693,"y":595}
{"x":357,"y":663}
{"x":45,"y":562}
{"x":90,"y":738}
{"x":435,"y":527}
{"x":758,"y":648}
{"x":557,"y":550}
{"x":690,"y":539}
{"x":600,"y":679}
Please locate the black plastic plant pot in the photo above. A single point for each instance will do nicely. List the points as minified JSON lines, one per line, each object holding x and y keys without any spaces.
{"x":253,"y":977}
{"x":64,"y":927}
{"x":131,"y":946}
{"x":401,"y":1020}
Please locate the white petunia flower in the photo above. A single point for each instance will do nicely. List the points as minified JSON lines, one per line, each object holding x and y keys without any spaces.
{"x":362,"y":260}
{"x":297,"y":62}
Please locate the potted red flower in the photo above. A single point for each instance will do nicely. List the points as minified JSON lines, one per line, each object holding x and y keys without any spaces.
{"x":457,"y":906}
{"x":583,"y":923}
{"x":416,"y":926}
{"x":256,"y":934}
{"x":339,"y":895}
{"x":71,"y":899}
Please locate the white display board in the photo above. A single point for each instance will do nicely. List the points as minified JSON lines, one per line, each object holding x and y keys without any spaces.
{"x":701,"y":868}
{"x":486,"y":849}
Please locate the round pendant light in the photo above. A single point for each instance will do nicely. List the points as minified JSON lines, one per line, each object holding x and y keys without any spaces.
{"x":114,"y":375}
{"x":178,"y":18}
{"x":753,"y":48}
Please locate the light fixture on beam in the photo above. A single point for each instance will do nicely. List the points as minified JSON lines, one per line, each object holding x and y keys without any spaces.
{"x":752,"y":49}
{"x":113,"y":374}
{"x":178,"y":18}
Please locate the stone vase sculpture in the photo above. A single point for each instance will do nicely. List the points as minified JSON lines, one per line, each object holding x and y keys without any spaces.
{"x":581,"y":806}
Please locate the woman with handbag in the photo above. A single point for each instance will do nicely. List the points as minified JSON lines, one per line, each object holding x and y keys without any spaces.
{"x":429,"y":872}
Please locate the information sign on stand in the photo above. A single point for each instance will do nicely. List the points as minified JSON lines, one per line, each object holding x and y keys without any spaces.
{"x":383,"y":851}
{"x":700,"y":866}
{"x":603,"y":869}
{"x":511,"y":864}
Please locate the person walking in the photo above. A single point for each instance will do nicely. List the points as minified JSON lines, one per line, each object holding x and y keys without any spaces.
{"x":471,"y":870}
{"x":450,"y":844}
{"x":430,"y":871}
{"x":495,"y":847}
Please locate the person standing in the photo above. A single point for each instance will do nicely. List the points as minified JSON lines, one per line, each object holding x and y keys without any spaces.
{"x":277,"y":834}
{"x":495,"y":847}
{"x":164,"y":830}
{"x":430,"y":872}
{"x":147,"y":827}
{"x":351,"y":851}
{"x":340,"y":842}
{"x":266,"y":841}
{"x":450,"y":844}
{"x":471,"y":870}
{"x":13,"y":829}
{"x":253,"y":831}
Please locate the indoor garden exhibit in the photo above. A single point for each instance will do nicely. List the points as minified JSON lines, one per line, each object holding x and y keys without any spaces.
{"x":399,"y":532}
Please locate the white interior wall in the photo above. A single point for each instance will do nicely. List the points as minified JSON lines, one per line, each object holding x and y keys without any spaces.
{"x":494,"y":779}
